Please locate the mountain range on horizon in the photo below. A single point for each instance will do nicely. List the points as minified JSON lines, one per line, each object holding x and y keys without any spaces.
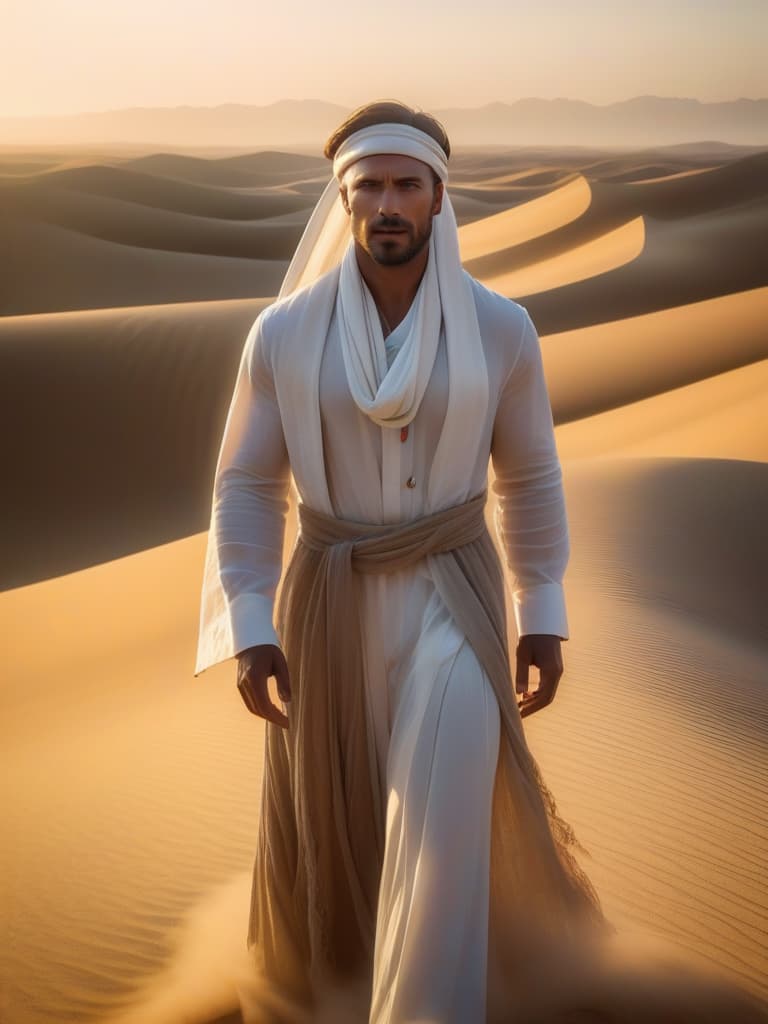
{"x":639,"y":121}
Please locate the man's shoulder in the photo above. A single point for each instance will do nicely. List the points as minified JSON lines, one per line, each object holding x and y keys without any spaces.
{"x":286,"y":312}
{"x":496,"y":313}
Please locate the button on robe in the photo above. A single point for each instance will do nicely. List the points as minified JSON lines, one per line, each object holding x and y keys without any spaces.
{"x":434,"y":715}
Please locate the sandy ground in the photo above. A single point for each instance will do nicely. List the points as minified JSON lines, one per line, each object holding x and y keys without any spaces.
{"x":130,"y":789}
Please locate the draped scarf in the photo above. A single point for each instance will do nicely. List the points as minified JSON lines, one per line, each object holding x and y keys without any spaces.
{"x":321,"y":836}
{"x":444,"y":302}
{"x":390,"y":396}
{"x":320,"y":842}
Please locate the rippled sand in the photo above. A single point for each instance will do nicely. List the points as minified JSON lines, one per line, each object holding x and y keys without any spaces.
{"x":131,"y":789}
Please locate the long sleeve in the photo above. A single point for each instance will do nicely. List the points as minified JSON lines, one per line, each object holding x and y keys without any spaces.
{"x":249,"y":505}
{"x":532,"y":517}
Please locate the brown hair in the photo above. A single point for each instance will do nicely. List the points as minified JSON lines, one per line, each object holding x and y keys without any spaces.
{"x":382,"y":112}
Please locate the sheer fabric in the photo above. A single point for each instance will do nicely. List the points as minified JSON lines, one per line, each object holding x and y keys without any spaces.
{"x":322,"y":876}
{"x":481,"y":932}
{"x":366,"y":468}
{"x":378,"y":860}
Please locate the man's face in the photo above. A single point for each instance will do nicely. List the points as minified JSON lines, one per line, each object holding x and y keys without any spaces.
{"x":391,"y":201}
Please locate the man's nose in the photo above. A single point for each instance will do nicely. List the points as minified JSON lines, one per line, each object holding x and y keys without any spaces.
{"x":388,"y":202}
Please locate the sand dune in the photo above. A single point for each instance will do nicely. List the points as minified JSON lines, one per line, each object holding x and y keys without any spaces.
{"x":311,"y":188}
{"x":725,"y":245}
{"x":114,"y":491}
{"x":475,"y":165}
{"x":641,"y":173}
{"x":729,"y":184}
{"x":138,"y":397}
{"x":668,"y":686}
{"x":585,"y":220}
{"x":529,"y":220}
{"x":172,"y":194}
{"x":57,"y":269}
{"x":130,"y":789}
{"x":653,"y":173}
{"x":723,"y":416}
{"x":247,"y":170}
{"x":613,"y":249}
{"x":530,"y":176}
{"x":119,"y":220}
{"x":602,"y":367}
{"x":470,"y":206}
{"x":720,"y":227}
{"x":171,"y":240}
{"x":494,"y":195}
{"x":179,"y":761}
{"x":568,"y":234}
{"x":725,"y":248}
{"x":103,"y":781}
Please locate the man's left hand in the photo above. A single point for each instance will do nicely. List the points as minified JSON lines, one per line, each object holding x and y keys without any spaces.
{"x":542,"y":650}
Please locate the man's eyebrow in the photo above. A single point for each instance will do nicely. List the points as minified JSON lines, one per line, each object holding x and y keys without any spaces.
{"x":377,"y":177}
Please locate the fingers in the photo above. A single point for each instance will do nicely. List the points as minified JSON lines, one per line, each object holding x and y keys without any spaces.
{"x":534,"y":702}
{"x":542,"y":697}
{"x":245,"y":693}
{"x":256,"y":698}
{"x":267,"y":709}
{"x":550,"y":677}
{"x":280,"y":672}
{"x":543,"y":651}
{"x":253,"y":672}
{"x":521,"y":673}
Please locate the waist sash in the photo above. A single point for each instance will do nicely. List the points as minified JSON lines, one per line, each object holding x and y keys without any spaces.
{"x":321,"y":833}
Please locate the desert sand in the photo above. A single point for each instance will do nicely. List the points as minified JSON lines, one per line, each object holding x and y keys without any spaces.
{"x":131,"y":788}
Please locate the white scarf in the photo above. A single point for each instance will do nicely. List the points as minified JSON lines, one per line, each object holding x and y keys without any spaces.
{"x":391,"y":396}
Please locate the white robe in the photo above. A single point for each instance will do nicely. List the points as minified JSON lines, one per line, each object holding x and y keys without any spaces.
{"x":433,"y":711}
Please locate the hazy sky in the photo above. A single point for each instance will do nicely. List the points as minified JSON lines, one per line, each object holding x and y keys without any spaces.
{"x":68,"y":56}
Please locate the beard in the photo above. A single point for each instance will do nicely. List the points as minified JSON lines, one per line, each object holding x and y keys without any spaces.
{"x":390,"y":252}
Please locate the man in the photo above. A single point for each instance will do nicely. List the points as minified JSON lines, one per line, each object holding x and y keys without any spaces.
{"x":407,"y":840}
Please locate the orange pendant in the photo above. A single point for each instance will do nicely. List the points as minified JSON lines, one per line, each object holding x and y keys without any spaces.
{"x":404,"y":434}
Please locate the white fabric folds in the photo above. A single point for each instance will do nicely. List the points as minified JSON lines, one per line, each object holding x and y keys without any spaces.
{"x":391,"y":396}
{"x":326,"y":236}
{"x":323,"y":268}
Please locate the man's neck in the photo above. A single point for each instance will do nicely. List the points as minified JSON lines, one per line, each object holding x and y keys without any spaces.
{"x":393,"y":288}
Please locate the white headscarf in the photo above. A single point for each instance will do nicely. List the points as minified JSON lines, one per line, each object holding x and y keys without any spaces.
{"x":391,"y":396}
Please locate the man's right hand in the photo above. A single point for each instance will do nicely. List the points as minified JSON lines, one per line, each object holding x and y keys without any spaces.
{"x":254,"y":667}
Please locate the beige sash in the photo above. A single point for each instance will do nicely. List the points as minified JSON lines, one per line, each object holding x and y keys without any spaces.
{"x":321,"y":838}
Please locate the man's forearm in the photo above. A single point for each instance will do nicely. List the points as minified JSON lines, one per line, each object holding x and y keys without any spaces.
{"x":528,"y":482}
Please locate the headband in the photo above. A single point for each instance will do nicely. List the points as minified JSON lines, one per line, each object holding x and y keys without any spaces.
{"x":327,"y":236}
{"x":401,"y":139}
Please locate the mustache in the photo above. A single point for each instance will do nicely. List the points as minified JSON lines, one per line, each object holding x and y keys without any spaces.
{"x":390,"y":224}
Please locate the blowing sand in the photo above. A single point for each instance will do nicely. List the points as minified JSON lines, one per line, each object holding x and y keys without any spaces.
{"x":131,"y":789}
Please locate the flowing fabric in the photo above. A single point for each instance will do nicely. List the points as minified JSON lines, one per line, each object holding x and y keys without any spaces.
{"x":324,"y":270}
{"x":325,"y":237}
{"x":444,"y":302}
{"x":316,"y":874}
{"x":389,"y":395}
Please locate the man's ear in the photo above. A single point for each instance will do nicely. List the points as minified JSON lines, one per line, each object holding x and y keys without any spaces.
{"x":438,"y":203}
{"x":344,"y":200}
